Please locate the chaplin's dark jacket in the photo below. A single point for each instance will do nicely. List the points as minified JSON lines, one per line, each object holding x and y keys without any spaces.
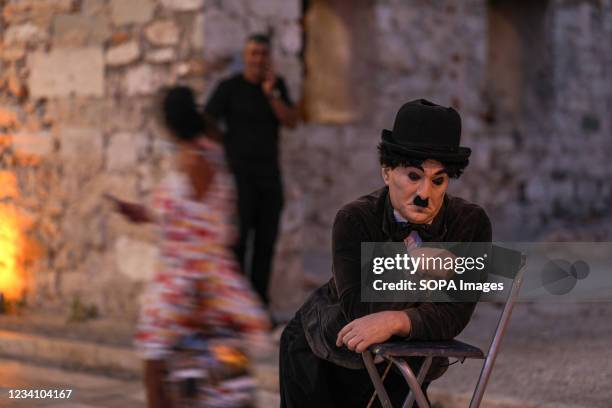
{"x":370,"y":219}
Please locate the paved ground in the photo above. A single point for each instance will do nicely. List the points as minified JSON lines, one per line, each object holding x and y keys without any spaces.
{"x":558,"y":354}
{"x":88,"y":391}
{"x":554,"y":355}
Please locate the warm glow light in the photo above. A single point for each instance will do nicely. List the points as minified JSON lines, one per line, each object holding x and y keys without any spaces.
{"x":12,"y":279}
{"x":8,"y":185}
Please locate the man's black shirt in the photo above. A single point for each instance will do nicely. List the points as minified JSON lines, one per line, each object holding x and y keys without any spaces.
{"x":251,"y":138}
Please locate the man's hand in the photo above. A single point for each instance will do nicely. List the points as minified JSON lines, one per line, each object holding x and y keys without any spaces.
{"x":269,"y":82}
{"x":361,"y":333}
{"x":287,"y":115}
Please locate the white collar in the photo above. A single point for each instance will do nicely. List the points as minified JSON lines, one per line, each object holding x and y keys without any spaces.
{"x":398,"y":217}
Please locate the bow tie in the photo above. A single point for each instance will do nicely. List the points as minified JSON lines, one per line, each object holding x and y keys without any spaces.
{"x":403,"y":229}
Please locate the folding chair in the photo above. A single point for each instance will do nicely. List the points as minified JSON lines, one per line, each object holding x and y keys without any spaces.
{"x":505,"y":262}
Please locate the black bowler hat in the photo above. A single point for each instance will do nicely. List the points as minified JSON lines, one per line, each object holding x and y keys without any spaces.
{"x":424,"y":130}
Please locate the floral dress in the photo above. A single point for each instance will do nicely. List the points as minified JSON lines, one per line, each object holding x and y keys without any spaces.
{"x":199,"y":308}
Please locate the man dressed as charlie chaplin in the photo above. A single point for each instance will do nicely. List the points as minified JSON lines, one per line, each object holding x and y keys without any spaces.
{"x":320,"y":360}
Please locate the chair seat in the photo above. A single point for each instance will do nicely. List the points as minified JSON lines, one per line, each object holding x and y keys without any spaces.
{"x":452,"y":348}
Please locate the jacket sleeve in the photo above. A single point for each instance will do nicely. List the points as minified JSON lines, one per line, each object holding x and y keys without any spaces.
{"x":347,"y":235}
{"x":444,"y":321}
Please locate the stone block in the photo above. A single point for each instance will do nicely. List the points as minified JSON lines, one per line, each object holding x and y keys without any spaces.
{"x":162,"y":33}
{"x":35,"y":10}
{"x":32,"y":123}
{"x":537,"y":190}
{"x":135,"y":259}
{"x":428,"y":54}
{"x":183,"y":5}
{"x":146,"y":178}
{"x":123,"y":150}
{"x":99,"y":30}
{"x":383,"y":14}
{"x":8,"y":117}
{"x":255,"y":24}
{"x":140,"y":80}
{"x":79,"y":112}
{"x":161,"y":55}
{"x":236,"y":7}
{"x":132,"y":11}
{"x":399,"y":54}
{"x":93,"y":7}
{"x":197,"y":33}
{"x":9,"y":187}
{"x":32,"y":144}
{"x":70,"y":30}
{"x":129,"y":115}
{"x":24,"y":33}
{"x":63,"y":72}
{"x":224,"y":36}
{"x":81,"y":150}
{"x":288,"y":9}
{"x":122,"y":54}
{"x":12,"y":53}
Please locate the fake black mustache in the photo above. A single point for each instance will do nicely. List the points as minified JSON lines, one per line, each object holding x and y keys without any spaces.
{"x":420,"y":202}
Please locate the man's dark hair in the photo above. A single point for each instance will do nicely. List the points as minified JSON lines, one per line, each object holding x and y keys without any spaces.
{"x":181,"y":114}
{"x":259,"y":38}
{"x":390,"y":158}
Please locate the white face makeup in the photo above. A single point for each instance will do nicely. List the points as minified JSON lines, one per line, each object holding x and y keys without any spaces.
{"x":417,"y":193}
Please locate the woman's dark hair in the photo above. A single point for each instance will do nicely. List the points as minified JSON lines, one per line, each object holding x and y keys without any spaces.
{"x":181,"y":114}
{"x":390,"y":158}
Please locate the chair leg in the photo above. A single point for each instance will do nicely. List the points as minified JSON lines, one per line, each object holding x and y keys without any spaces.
{"x":368,"y":361}
{"x":502,"y":325}
{"x":412,"y":381}
{"x":420,"y":378}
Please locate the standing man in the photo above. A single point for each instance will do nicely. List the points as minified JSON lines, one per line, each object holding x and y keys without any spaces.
{"x":253,"y":105}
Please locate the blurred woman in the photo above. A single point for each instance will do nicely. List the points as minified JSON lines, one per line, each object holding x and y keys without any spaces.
{"x":199,"y":309}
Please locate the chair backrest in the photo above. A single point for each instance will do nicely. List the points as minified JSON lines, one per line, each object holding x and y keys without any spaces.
{"x":508,"y":263}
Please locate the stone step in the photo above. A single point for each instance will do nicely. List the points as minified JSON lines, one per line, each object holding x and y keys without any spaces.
{"x":69,"y":353}
{"x":88,"y":390}
{"x":100,"y":358}
{"x":108,"y":331}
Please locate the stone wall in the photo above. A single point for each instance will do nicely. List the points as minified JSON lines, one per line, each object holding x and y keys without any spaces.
{"x":578,"y":162}
{"x":78,"y":87}
{"x":538,"y":169}
{"x":433,"y":50}
{"x":78,"y":115}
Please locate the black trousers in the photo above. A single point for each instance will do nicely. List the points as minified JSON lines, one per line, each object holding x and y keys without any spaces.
{"x":307,"y":381}
{"x":260,"y":202}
